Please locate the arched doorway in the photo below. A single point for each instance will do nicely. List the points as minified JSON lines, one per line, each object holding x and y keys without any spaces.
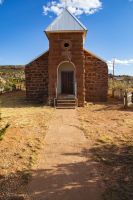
{"x":66,"y":79}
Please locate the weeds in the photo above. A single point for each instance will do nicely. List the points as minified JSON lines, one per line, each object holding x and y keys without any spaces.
{"x":26,"y":177}
{"x":3,"y":131}
{"x":11,"y":79}
{"x":109,"y":130}
{"x":117,"y":170}
{"x":124,"y":84}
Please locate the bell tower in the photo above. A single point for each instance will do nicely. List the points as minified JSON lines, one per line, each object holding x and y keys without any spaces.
{"x":66,"y":37}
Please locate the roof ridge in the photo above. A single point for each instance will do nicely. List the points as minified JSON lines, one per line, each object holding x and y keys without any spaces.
{"x":76,"y":19}
{"x":95,"y":55}
{"x":43,"y":53}
{"x":60,"y":23}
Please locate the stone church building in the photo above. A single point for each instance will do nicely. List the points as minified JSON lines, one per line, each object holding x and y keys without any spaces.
{"x":66,"y":74}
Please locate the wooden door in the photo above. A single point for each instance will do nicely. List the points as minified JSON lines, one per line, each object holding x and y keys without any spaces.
{"x":67,"y":82}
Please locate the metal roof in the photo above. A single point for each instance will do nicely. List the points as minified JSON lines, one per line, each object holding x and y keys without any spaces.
{"x":66,"y":22}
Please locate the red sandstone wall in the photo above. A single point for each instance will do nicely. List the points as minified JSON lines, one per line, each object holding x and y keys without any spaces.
{"x":57,"y":54}
{"x":96,"y":78}
{"x":91,"y":72}
{"x":37,"y":79}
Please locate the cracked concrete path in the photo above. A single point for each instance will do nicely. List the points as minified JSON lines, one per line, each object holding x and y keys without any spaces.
{"x":65,"y":170}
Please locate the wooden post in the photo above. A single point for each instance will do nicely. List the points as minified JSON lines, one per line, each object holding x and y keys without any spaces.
{"x":113,"y":77}
{"x":113,"y":68}
{"x":125,"y":100}
{"x":113,"y":91}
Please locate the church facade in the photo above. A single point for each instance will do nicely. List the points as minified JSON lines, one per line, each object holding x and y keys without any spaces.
{"x":67,"y":70}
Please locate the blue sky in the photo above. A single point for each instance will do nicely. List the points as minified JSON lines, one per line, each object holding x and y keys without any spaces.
{"x":109,"y":23}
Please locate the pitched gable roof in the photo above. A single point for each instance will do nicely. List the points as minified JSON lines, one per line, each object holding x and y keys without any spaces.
{"x":66,"y":22}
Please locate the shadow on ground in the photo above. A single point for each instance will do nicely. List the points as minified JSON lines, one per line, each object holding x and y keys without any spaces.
{"x":16,"y":100}
{"x":116,"y":169}
{"x":67,"y":181}
{"x":113,"y":104}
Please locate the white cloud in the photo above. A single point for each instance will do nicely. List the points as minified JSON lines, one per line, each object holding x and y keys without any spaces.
{"x":77,"y":7}
{"x":119,"y":62}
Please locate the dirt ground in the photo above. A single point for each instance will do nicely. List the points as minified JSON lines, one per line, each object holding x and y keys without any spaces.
{"x":82,"y":154}
{"x":22,"y":142}
{"x":109,"y":130}
{"x":66,"y":170}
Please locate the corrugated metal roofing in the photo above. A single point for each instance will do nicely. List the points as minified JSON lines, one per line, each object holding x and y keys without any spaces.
{"x":66,"y":22}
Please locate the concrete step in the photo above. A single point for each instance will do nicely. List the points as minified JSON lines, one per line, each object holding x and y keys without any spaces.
{"x":66,"y":100}
{"x":61,"y":107}
{"x":66,"y":103}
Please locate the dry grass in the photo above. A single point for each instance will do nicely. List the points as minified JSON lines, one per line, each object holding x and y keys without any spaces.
{"x":24,"y":138}
{"x":109,"y":129}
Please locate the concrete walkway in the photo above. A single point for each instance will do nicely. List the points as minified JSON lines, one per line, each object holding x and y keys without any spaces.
{"x":65,"y":171}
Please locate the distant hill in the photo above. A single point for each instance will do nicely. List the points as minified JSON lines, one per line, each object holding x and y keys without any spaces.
{"x":121,"y":77}
{"x":12,"y":67}
{"x":11,"y":77}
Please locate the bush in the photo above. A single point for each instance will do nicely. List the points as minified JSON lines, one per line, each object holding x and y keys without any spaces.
{"x":124,"y":85}
{"x":3,"y":131}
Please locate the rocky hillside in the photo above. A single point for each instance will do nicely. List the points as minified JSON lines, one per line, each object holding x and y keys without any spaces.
{"x":11,"y":78}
